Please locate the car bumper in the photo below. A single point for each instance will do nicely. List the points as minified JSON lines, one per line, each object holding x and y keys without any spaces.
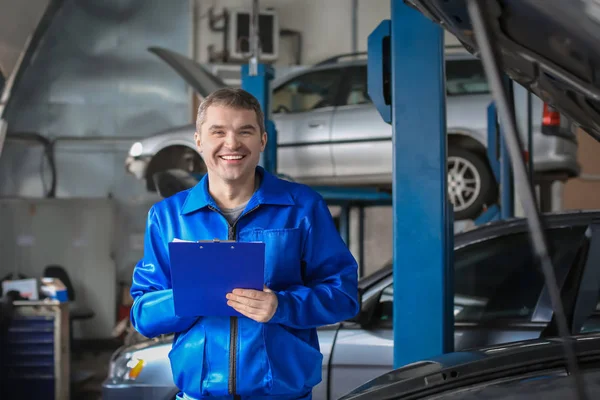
{"x":552,"y":154}
{"x":122,"y":391}
{"x":137,"y":166}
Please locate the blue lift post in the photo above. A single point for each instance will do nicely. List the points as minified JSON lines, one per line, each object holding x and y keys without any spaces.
{"x":406,"y":81}
{"x":500,"y":164}
{"x":507,"y":205}
{"x":259,"y":86}
{"x":256,"y":79}
{"x":493,"y":155}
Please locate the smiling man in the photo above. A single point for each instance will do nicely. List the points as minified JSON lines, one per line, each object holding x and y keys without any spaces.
{"x":310,"y":275}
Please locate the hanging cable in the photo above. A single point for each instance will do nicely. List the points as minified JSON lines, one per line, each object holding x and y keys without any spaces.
{"x":538,"y":239}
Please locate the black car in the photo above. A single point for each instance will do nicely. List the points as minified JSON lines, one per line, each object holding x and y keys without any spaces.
{"x":524,"y":369}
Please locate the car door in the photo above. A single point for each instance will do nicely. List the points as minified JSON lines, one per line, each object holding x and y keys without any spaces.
{"x":497,"y":287}
{"x":361,"y":140}
{"x":302,"y":111}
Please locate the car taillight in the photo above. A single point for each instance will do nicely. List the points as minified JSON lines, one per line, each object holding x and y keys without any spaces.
{"x":551,"y":117}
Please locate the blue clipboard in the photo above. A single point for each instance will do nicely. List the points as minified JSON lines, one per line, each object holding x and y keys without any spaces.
{"x":202,"y":273}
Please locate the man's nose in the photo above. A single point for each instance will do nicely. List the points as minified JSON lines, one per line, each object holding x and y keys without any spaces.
{"x":231,"y":141}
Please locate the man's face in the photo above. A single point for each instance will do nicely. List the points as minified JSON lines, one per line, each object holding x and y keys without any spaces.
{"x":230,"y":142}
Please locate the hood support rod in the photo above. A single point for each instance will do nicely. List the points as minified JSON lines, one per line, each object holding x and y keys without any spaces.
{"x":489,"y":53}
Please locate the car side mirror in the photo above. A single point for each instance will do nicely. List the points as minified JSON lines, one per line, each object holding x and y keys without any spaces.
{"x":367,"y":310}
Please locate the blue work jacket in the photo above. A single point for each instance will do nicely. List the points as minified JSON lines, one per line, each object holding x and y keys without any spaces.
{"x":307,"y":265}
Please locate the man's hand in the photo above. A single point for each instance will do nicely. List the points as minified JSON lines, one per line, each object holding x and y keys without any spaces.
{"x":254,"y":304}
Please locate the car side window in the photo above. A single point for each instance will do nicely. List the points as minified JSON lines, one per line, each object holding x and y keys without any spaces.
{"x":358,"y":93}
{"x":307,"y":92}
{"x":498,"y":278}
{"x":465,"y":77}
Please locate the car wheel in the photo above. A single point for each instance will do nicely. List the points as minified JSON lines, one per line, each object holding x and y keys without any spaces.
{"x":471,"y":184}
{"x":174,"y":157}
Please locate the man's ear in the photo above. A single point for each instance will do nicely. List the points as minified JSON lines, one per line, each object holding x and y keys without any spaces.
{"x":263,"y":141}
{"x":198,"y":141}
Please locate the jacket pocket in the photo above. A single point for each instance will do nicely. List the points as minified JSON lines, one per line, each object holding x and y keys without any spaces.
{"x":283,"y":255}
{"x":294,"y":364}
{"x":187,"y":358}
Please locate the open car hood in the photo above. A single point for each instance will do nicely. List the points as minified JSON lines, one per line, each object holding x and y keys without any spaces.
{"x":469,"y":368}
{"x":197,"y":76}
{"x":551,"y":47}
{"x":23,"y":25}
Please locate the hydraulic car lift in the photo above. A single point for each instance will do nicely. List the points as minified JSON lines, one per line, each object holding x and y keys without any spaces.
{"x":406,"y":82}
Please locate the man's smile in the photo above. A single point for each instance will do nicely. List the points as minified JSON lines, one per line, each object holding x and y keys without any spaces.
{"x":232,"y":157}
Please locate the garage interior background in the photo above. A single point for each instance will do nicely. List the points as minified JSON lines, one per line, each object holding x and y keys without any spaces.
{"x":93,"y":89}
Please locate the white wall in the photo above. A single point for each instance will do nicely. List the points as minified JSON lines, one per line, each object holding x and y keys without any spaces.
{"x":326,"y":25}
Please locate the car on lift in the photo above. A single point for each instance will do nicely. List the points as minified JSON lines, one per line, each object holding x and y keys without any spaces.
{"x":500,"y":297}
{"x":330,"y":133}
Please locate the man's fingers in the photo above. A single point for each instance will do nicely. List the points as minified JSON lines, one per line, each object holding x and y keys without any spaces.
{"x":245,"y":301}
{"x":242,"y":307}
{"x":251,"y":294}
{"x":252,"y":313}
{"x":257,"y":305}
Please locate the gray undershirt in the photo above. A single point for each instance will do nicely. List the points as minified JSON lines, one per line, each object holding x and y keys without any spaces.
{"x":232,"y":214}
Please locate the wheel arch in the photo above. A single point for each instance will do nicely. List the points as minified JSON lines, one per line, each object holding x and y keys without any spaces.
{"x":161,"y":160}
{"x":466,"y":141}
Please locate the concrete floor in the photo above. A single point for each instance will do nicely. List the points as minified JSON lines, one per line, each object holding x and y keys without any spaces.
{"x":95,"y":361}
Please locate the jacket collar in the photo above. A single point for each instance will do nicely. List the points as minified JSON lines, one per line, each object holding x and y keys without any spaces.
{"x":270,"y":191}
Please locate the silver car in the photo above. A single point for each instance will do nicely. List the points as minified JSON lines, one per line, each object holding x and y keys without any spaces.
{"x":329,"y":132}
{"x":500,"y":297}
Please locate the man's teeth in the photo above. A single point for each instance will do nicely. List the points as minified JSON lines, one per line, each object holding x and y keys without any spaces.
{"x":231,"y":157}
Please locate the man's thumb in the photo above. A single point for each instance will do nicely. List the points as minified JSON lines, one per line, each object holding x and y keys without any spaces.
{"x":266,"y":289}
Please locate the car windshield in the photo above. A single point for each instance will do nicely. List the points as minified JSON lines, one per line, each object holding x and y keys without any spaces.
{"x":498,"y":278}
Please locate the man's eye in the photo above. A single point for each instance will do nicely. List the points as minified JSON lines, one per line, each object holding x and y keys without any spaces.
{"x":246,"y":132}
{"x":218,"y":132}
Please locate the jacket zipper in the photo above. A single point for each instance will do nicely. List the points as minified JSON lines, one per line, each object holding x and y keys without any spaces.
{"x":233,"y":333}
{"x":233,"y":321}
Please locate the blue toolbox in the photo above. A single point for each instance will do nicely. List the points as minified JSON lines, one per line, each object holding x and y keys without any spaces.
{"x":35,"y":352}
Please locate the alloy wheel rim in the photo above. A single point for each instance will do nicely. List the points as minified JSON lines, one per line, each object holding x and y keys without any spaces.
{"x":464,"y":183}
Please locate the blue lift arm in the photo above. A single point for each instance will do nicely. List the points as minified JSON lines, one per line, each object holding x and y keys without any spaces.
{"x":259,"y":86}
{"x":256,"y":79}
{"x":407,"y":84}
{"x":499,"y":160}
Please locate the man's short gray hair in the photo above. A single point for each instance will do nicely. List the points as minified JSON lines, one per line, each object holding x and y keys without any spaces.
{"x":234,"y":98}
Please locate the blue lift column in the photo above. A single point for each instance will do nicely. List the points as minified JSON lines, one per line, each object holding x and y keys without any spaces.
{"x":256,"y":80}
{"x":407,"y":84}
{"x":259,"y":85}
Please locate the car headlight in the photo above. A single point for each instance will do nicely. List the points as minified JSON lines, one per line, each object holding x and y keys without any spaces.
{"x":457,"y":310}
{"x":126,"y":368}
{"x":136,"y":149}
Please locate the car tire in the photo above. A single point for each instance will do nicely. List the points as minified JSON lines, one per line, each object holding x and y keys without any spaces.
{"x":471,"y":183}
{"x":175,"y":157}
